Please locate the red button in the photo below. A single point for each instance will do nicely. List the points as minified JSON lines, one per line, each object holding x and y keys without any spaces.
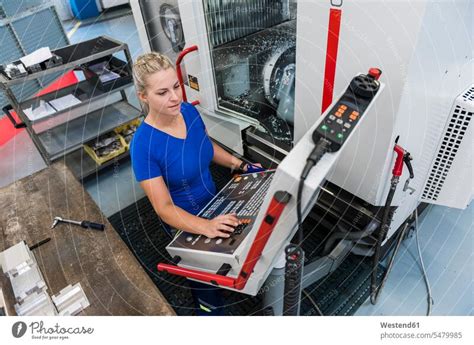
{"x":375,"y":73}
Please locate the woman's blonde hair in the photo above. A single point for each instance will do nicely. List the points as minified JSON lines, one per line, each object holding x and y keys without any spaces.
{"x":146,"y":65}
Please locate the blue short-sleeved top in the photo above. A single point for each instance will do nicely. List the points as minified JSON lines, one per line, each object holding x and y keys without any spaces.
{"x":183,"y":163}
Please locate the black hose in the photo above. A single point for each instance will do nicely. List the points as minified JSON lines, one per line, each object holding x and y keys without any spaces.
{"x":293,"y":275}
{"x":315,"y":156}
{"x":384,"y":227}
{"x":299,"y":215}
{"x":294,"y":253}
{"x":375,"y":296}
{"x":357,"y":235}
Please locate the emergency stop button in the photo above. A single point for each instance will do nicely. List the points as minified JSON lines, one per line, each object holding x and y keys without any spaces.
{"x":375,"y":73}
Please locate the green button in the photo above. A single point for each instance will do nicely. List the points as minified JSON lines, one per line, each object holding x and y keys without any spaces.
{"x":339,"y":136}
{"x":324,"y":127}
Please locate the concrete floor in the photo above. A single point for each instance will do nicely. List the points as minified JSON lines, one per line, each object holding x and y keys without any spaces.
{"x":445,"y":234}
{"x":446,"y":242}
{"x":19,"y":158}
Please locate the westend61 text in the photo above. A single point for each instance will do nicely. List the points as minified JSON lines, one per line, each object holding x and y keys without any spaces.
{"x":400,"y":325}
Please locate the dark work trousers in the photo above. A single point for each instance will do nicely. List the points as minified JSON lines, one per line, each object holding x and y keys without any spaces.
{"x":208,"y":299}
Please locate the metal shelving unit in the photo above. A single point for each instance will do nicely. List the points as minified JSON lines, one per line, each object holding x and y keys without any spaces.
{"x":65,"y":131}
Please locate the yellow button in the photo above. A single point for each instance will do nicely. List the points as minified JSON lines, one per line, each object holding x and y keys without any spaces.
{"x":355,"y":113}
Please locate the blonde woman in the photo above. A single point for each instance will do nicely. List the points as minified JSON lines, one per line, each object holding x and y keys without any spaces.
{"x":171,"y":153}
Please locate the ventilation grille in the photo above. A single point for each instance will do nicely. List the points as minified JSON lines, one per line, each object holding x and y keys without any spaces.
{"x":469,"y":95}
{"x":12,"y":8}
{"x":452,"y":139}
{"x":24,"y":34}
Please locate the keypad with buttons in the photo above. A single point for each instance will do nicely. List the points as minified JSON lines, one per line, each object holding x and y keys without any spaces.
{"x":343,"y":117}
{"x":243,"y":196}
{"x":339,"y":122}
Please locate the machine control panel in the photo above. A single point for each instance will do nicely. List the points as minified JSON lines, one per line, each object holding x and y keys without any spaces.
{"x":243,"y":195}
{"x":346,"y":113}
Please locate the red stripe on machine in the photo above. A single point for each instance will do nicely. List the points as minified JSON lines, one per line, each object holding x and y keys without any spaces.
{"x":331,"y":57}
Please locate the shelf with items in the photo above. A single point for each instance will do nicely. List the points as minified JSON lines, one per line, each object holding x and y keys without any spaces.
{"x":127,"y":130}
{"x":105,"y":147}
{"x":66,"y":99}
{"x":72,"y":56}
{"x":84,"y":165}
{"x":108,"y":73}
{"x":70,"y":136}
{"x":60,"y":122}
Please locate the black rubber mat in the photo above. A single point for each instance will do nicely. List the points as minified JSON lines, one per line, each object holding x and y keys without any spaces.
{"x":341,"y":293}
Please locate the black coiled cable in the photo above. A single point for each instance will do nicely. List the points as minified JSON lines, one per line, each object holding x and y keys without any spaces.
{"x":293,"y":275}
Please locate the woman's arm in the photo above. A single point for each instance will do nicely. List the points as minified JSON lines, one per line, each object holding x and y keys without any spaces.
{"x":224,"y":158}
{"x":160,"y":198}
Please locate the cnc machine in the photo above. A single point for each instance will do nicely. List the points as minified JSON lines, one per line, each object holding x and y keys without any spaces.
{"x":265,"y":74}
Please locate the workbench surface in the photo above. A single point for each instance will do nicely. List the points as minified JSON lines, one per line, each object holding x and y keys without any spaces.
{"x":112,"y":279}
